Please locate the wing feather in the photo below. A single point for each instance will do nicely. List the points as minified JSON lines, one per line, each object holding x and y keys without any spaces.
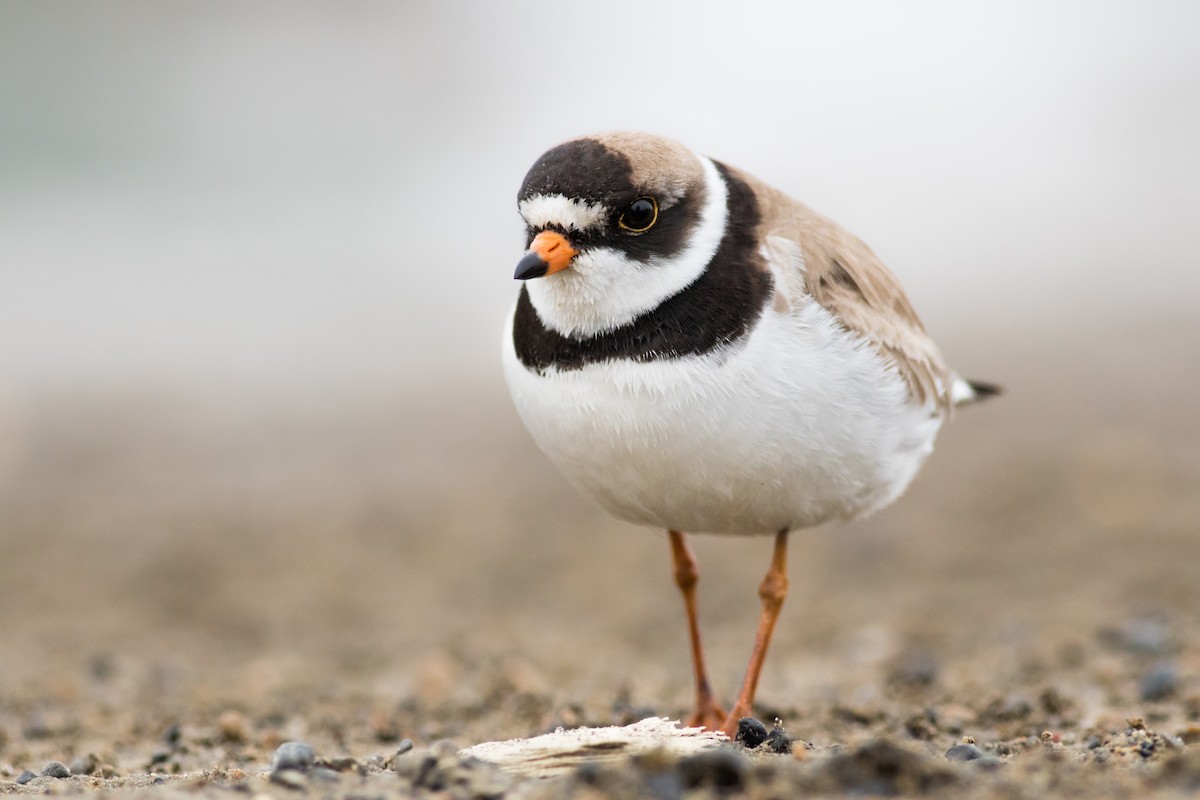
{"x":842,"y":274}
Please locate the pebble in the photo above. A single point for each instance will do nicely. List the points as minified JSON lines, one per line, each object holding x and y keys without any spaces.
{"x":25,"y":777}
{"x":56,"y":769}
{"x":1160,"y":682}
{"x":233,"y":726}
{"x":964,"y":752}
{"x":293,"y":756}
{"x":722,"y":769}
{"x":750,"y":732}
{"x":83,"y":765}
{"x":778,"y":741}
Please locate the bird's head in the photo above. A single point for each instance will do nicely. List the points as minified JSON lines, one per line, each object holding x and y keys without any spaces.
{"x":616,"y":223}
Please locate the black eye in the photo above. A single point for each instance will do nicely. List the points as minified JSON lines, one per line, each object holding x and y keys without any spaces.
{"x":639,"y":215}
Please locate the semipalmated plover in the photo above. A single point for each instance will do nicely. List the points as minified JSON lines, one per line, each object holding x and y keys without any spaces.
{"x":699,"y":352}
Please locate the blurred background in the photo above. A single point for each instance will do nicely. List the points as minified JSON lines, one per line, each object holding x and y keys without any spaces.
{"x":255,"y":261}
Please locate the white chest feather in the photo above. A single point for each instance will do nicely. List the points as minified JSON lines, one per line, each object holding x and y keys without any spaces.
{"x":800,"y":424}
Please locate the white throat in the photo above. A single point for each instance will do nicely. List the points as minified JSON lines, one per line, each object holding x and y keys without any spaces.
{"x":604,"y":289}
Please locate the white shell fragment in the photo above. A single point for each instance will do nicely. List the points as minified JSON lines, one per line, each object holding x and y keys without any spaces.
{"x":559,"y":752}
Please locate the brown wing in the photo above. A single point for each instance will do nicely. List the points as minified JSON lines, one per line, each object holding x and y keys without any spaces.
{"x":843,"y":275}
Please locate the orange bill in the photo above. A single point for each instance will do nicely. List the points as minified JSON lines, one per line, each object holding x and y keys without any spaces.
{"x":548,"y":253}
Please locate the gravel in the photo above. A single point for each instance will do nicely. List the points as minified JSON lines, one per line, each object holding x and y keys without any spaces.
{"x":297,"y":756}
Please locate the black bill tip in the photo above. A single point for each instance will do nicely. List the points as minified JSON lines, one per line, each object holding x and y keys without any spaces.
{"x":531,"y":265}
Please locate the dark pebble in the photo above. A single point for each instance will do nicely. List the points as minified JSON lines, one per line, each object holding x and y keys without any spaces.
{"x":964,"y":752}
{"x":172,"y":735}
{"x":56,"y":769}
{"x":404,"y":746}
{"x":159,"y":757}
{"x":293,"y":755}
{"x":25,"y":777}
{"x":1160,"y":682}
{"x":721,"y":768}
{"x":778,"y":741}
{"x":750,"y":732}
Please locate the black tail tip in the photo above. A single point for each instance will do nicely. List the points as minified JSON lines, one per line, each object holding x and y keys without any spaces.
{"x":983,"y":389}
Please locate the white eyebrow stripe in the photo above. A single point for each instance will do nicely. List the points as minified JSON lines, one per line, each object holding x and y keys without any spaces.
{"x":556,"y":209}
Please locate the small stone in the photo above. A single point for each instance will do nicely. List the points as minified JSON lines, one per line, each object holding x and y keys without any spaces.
{"x":83,"y":765}
{"x":172,"y":735}
{"x":158,"y":757}
{"x":25,"y":777}
{"x":722,"y":769}
{"x":778,"y":741}
{"x":404,"y":746}
{"x":233,"y":727}
{"x":964,"y":752}
{"x":750,"y":732}
{"x":56,"y":769}
{"x":1160,"y":682}
{"x":293,"y":756}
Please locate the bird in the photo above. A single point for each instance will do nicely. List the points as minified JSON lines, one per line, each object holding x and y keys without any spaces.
{"x":701,"y":353}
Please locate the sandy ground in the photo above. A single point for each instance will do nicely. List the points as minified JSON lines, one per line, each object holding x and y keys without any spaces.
{"x":190,"y":578}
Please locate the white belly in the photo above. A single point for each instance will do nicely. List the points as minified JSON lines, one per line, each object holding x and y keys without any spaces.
{"x":800,"y":425}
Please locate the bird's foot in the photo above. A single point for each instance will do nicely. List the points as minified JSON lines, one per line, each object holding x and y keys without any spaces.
{"x":708,"y":715}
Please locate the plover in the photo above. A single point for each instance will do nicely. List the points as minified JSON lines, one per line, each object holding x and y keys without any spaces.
{"x":699,"y":352}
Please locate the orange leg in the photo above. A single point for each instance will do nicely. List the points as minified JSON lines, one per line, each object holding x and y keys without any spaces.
{"x":771,"y":591}
{"x":708,"y":713}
